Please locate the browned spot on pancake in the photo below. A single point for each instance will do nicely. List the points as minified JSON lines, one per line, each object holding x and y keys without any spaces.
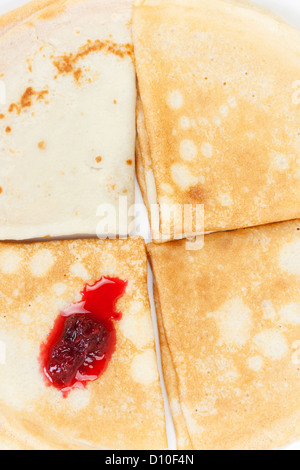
{"x":226,"y":242}
{"x":67,"y":63}
{"x":8,"y":130}
{"x":197,"y":193}
{"x":280,"y":283}
{"x":40,"y":95}
{"x":2,"y":116}
{"x":98,"y":159}
{"x":13,"y":107}
{"x":42,"y":145}
{"x":115,"y":101}
{"x":129,"y":162}
{"x":27,"y":99}
{"x":1,"y":190}
{"x":110,"y":187}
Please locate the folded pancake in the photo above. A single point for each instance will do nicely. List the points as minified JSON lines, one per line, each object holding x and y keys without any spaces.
{"x":218,"y":122}
{"x":123,"y":408}
{"x":67,"y":126}
{"x":231,"y":319}
{"x":183,"y":438}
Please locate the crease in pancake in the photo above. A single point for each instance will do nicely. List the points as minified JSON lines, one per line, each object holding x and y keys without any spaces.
{"x":229,"y":324}
{"x":169,"y":371}
{"x":218,"y":126}
{"x":123,"y":409}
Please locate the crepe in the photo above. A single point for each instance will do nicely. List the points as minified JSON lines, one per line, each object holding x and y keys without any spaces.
{"x":218,"y":122}
{"x":231,"y":318}
{"x":183,"y":438}
{"x":123,"y":409}
{"x":67,"y":128}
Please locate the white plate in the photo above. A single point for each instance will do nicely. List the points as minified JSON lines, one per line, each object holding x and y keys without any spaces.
{"x":289,"y":10}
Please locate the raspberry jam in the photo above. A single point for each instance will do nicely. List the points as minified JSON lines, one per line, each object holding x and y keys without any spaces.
{"x":83,"y":338}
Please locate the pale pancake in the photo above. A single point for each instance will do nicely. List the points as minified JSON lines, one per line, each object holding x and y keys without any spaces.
{"x":67,"y":129}
{"x":231,"y":318}
{"x":219,"y":113}
{"x":123,"y":409}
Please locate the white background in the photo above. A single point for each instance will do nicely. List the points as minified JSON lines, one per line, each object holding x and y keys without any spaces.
{"x":286,"y":9}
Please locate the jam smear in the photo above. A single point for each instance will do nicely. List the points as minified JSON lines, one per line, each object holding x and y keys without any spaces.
{"x":83,"y":338}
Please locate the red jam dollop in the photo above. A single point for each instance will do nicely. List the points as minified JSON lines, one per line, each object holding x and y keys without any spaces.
{"x":83,"y":338}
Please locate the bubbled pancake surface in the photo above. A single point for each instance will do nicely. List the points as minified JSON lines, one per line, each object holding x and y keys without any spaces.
{"x":66,"y":122}
{"x":231,"y":318}
{"x":123,"y":409}
{"x":221,"y":116}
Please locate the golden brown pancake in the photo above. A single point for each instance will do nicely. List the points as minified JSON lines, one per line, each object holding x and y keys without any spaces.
{"x":183,"y":438}
{"x":67,"y":128}
{"x":231,"y":319}
{"x":218,"y":122}
{"x":123,"y":409}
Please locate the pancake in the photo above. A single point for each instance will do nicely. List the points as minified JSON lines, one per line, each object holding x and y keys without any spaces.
{"x":123,"y":408}
{"x":183,"y":438}
{"x":231,"y":319}
{"x":67,"y":129}
{"x":218,"y":125}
